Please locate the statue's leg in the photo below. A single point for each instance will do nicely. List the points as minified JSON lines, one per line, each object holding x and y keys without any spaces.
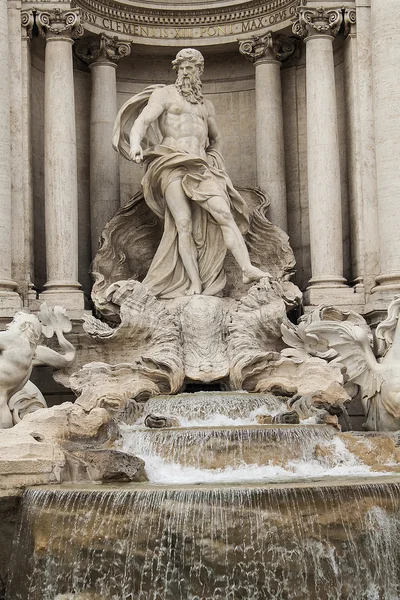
{"x":179,"y":206}
{"x":219,"y":209}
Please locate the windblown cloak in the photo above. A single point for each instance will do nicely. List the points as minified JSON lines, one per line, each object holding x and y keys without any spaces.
{"x":201,"y":179}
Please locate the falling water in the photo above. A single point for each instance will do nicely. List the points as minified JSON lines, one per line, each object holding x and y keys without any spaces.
{"x":203,"y":543}
{"x":271,"y":453}
{"x":231,"y":512}
{"x":205,"y":407}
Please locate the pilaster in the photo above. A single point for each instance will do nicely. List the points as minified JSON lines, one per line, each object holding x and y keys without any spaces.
{"x":10,"y":301}
{"x":102,"y":54}
{"x":267,"y":52}
{"x":385,"y":25}
{"x":354,"y":148}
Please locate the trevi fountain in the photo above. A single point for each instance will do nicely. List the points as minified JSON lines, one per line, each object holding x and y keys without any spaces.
{"x":200,"y":300}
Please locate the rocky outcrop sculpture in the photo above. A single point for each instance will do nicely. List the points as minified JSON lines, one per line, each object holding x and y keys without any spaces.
{"x":344,"y":338}
{"x":20,"y":351}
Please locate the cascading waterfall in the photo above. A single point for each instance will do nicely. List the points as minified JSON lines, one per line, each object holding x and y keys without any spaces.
{"x":313,"y":543}
{"x":212,"y":406}
{"x":233,"y":511}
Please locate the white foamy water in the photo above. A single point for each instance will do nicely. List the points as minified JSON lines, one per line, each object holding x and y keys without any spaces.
{"x":338,"y":462}
{"x":162,"y":472}
{"x":216,"y":419}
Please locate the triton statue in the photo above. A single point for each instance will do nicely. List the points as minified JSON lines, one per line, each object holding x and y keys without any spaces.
{"x":20,"y":351}
{"x":173,"y":130}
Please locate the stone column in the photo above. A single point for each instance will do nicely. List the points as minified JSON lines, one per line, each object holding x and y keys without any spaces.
{"x":385,"y":18}
{"x":267,"y":52}
{"x":61,"y":189}
{"x":319,"y":27}
{"x":27,"y":21}
{"x":353,"y":149}
{"x":102,"y":54}
{"x":9,"y":299}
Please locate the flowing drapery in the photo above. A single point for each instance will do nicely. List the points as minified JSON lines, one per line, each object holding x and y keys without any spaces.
{"x":201,"y":179}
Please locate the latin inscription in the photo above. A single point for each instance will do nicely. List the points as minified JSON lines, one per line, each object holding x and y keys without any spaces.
{"x":187,"y":33}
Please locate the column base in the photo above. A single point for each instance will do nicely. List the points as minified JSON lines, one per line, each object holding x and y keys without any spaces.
{"x":347,"y":298}
{"x":10,"y":303}
{"x":381,"y":296}
{"x":72,"y":300}
{"x":327,"y":282}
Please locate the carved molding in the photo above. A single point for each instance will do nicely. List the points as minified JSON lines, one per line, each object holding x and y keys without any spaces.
{"x":225,"y":21}
{"x":262,"y":48}
{"x":57,"y":23}
{"x":27,"y":22}
{"x":178,"y":17}
{"x":101,"y":48}
{"x":315,"y":21}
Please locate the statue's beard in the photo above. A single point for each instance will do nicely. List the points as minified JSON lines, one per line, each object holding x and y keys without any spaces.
{"x":190,"y":88}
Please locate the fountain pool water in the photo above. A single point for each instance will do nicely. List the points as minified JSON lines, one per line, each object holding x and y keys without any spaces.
{"x":231,"y":511}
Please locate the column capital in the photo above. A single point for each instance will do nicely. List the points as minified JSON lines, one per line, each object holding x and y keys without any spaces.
{"x":267,"y":48}
{"x":349,"y":20}
{"x":317,"y":21}
{"x":59,"y":24}
{"x":102,"y":49}
{"x":27,"y":23}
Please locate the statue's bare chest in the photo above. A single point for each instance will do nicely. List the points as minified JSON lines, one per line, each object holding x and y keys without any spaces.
{"x":179,"y":107}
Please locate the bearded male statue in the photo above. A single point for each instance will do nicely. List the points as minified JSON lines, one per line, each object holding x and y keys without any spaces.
{"x":172,"y":130}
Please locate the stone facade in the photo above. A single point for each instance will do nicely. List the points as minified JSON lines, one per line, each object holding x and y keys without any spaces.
{"x":313,"y":122}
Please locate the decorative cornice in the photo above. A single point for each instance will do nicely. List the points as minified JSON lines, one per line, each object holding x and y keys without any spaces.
{"x":140,"y":20}
{"x":349,"y":20}
{"x":58,"y":23}
{"x":267,"y":47}
{"x":180,"y":17}
{"x":316,"y":21}
{"x":27,"y":22}
{"x":101,"y":49}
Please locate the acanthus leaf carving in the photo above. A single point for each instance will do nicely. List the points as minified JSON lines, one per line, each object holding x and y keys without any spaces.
{"x":59,"y":23}
{"x":314,"y":21}
{"x":102,"y":48}
{"x":267,"y":47}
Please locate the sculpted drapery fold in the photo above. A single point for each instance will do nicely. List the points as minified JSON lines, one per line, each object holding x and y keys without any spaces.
{"x":201,"y":179}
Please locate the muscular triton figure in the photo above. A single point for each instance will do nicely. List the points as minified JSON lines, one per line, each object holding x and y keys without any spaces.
{"x":185,"y":173}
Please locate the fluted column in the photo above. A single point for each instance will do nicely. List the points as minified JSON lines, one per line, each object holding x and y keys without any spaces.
{"x":9,"y":299}
{"x":267,"y":52}
{"x":385,"y":20}
{"x":61,"y":190}
{"x":102,"y":54}
{"x":319,"y":27}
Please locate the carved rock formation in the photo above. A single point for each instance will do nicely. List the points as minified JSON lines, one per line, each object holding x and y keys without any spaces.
{"x":160,"y":422}
{"x":102,"y":465}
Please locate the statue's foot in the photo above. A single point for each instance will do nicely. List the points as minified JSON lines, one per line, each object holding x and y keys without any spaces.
{"x":194,"y":289}
{"x":254,"y":274}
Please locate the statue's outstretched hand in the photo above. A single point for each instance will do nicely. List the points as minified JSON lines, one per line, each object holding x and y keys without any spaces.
{"x":136,"y":153}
